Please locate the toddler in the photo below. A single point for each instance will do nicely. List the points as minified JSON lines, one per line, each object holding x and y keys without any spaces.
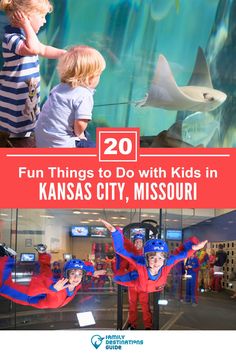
{"x":67,"y":111}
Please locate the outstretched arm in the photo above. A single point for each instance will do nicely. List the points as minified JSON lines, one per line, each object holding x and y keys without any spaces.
{"x":189,"y":248}
{"x":97,"y":273}
{"x":31,"y":45}
{"x":199,"y":246}
{"x":109,"y":226}
{"x":118,"y":241}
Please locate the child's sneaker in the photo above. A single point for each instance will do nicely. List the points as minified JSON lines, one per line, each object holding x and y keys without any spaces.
{"x":6,"y":251}
{"x":40,"y":248}
{"x":130,"y":327}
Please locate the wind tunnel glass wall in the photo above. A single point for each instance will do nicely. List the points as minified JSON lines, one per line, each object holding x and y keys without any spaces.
{"x":67,"y":234}
{"x":132,"y":35}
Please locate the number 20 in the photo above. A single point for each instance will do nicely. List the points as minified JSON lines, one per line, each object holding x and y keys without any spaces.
{"x":123,"y":146}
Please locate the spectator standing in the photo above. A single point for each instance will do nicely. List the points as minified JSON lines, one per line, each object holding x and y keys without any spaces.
{"x":221,"y":257}
{"x":212,"y":259}
{"x":203,"y":259}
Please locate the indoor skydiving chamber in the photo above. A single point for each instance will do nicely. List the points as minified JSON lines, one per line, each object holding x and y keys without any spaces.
{"x":72,"y":234}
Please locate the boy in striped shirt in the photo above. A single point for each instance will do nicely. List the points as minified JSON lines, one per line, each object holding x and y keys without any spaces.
{"x":19,"y":77}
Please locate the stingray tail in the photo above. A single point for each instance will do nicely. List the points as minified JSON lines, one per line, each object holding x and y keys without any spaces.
{"x":114,"y":104}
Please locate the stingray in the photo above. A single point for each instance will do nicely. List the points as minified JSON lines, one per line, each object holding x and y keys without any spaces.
{"x":198,"y":96}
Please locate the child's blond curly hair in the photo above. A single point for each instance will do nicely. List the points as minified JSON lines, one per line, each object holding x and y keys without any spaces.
{"x":26,"y":6}
{"x":80,"y":64}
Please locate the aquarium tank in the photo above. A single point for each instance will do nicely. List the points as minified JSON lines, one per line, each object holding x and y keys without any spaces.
{"x":152,"y":47}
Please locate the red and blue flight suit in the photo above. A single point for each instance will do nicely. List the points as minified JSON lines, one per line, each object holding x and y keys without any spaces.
{"x":192,"y":266}
{"x":133,"y":295}
{"x":140,"y":278}
{"x":40,"y":292}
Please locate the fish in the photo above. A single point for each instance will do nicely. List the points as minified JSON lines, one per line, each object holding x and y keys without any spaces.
{"x":198,"y":96}
{"x":169,"y":138}
{"x":200,"y":128}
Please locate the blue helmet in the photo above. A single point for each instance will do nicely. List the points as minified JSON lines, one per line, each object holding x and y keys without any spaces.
{"x":155,"y":245}
{"x":138,"y":237}
{"x":74,"y":264}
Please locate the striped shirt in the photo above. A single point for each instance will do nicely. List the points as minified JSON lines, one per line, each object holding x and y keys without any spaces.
{"x":19,"y":85}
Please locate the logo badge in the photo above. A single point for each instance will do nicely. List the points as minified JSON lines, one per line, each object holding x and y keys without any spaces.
{"x":96,"y":341}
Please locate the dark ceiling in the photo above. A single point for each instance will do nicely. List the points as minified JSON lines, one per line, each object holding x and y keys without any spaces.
{"x":219,"y":228}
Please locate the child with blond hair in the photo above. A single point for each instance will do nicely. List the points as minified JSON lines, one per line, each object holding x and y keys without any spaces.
{"x":20,"y":78}
{"x":68,"y":109}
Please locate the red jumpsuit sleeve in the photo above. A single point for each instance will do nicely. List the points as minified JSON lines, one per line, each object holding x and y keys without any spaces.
{"x":118,"y":241}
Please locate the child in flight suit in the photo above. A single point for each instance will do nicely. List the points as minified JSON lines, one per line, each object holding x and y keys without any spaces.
{"x":56,"y":270}
{"x":133,"y":295}
{"x":192,"y":266}
{"x":151,"y":270}
{"x":43,"y":291}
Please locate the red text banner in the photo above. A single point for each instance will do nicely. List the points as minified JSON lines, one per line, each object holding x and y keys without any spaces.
{"x":118,"y":174}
